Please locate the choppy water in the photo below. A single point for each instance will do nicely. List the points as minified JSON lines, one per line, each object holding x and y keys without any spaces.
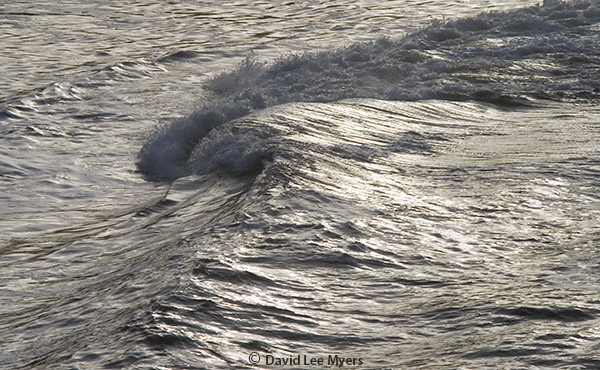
{"x":404,"y":184}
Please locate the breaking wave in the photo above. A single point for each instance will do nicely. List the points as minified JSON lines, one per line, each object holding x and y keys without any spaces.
{"x":549,"y":51}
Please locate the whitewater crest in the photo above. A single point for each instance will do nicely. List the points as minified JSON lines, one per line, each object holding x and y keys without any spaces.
{"x":549,"y":51}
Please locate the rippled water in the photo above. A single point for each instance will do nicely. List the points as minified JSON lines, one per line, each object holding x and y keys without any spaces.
{"x":403,"y":184}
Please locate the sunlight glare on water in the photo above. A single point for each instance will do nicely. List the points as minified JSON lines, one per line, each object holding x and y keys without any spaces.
{"x":405,"y":184}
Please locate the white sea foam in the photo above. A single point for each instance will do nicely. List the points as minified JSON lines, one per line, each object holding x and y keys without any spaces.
{"x":546,"y":51}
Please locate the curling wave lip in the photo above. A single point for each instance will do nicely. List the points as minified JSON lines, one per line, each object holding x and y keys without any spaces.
{"x":548,"y":51}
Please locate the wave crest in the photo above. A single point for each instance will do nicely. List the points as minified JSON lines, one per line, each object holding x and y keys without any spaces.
{"x":547,"y":51}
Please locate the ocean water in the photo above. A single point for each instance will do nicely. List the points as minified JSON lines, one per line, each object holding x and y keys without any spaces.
{"x":341,"y":184}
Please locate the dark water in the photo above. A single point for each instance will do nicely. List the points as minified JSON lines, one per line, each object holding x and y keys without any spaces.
{"x":371,"y":185}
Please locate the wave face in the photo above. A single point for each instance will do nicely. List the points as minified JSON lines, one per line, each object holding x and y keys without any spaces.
{"x":548,"y":51}
{"x":429,"y":234}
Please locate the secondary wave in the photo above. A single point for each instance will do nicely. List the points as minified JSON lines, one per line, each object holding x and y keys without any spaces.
{"x":549,"y":51}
